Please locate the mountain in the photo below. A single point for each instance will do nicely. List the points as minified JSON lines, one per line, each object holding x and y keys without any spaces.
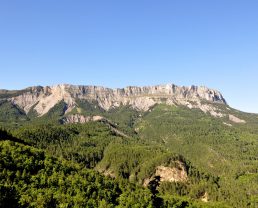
{"x":182,"y":146}
{"x":73,"y":102}
{"x":42,"y":99}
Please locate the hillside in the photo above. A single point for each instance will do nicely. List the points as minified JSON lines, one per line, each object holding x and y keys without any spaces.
{"x":174,"y":146}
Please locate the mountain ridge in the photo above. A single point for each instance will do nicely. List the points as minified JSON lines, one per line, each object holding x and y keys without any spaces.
{"x":42,"y":99}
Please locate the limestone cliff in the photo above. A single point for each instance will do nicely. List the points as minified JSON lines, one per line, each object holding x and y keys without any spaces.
{"x":42,"y":99}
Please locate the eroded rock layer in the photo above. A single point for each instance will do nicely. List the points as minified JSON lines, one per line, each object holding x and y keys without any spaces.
{"x":42,"y":99}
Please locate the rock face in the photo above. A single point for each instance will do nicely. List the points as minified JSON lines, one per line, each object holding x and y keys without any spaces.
{"x":169,"y":174}
{"x":235,"y":119}
{"x":77,"y":118}
{"x":42,"y":99}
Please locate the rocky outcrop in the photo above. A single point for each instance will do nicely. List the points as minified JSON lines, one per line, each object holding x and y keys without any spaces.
{"x":42,"y":99}
{"x":78,"y":118}
{"x":169,"y":174}
{"x":235,"y":119}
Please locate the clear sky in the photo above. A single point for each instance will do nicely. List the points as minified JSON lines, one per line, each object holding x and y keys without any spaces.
{"x":132,"y":42}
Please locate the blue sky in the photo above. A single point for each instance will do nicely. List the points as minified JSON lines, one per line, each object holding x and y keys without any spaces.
{"x":132,"y":42}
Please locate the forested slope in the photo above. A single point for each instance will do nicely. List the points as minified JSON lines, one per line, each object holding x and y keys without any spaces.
{"x":30,"y":177}
{"x":209,"y":161}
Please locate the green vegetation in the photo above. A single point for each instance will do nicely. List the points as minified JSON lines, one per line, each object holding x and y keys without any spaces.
{"x":30,"y":177}
{"x":76,"y":142}
{"x":10,"y":112}
{"x":4,"y":94}
{"x":44,"y":163}
{"x":34,"y":179}
{"x":123,"y":116}
{"x":213,"y":147}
